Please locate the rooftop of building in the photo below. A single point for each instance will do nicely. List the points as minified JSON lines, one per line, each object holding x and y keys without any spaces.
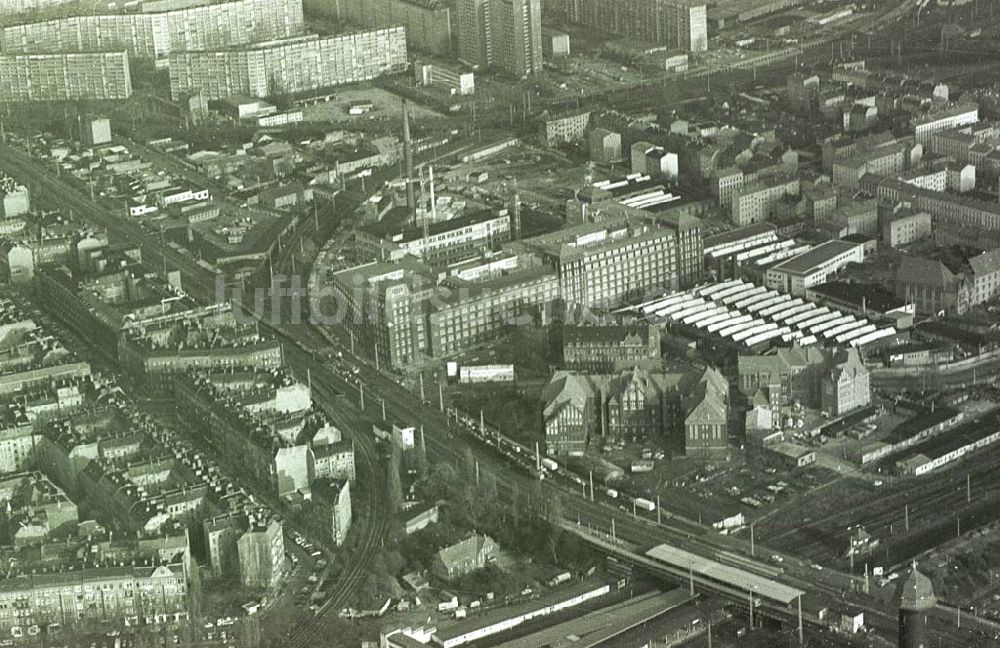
{"x":945,"y":113}
{"x":963,"y":435}
{"x":861,"y":158}
{"x":593,"y":238}
{"x":916,"y":592}
{"x":790,"y":450}
{"x":923,"y":421}
{"x":382,"y":271}
{"x":740,"y":234}
{"x":863,"y":296}
{"x":492,"y":617}
{"x":637,"y":333}
{"x":397,"y":229}
{"x":949,"y":331}
{"x":822,"y":253}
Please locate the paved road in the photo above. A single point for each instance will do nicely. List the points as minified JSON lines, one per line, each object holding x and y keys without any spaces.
{"x":201,"y":283}
{"x":306,"y":349}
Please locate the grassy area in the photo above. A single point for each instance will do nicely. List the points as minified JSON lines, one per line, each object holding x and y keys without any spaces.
{"x":515,"y":410}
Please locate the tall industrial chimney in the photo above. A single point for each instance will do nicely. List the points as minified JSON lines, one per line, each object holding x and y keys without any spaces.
{"x":411,"y":198}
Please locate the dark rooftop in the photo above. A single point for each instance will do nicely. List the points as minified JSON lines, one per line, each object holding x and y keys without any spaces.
{"x":922,"y":421}
{"x":860,"y":295}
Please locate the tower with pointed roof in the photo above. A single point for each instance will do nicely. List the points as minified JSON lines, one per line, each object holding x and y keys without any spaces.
{"x":916,"y":597}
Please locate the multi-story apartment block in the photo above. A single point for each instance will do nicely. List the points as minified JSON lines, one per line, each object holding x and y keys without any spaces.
{"x":961,"y":114}
{"x":932,"y":179}
{"x":475,"y":42}
{"x":17,"y":445}
{"x":725,"y":183}
{"x":688,"y":23}
{"x":201,"y":25}
{"x":15,"y":199}
{"x":959,"y":143}
{"x":288,"y":66}
{"x":605,"y":146}
{"x":845,"y":146}
{"x":221,"y":536}
{"x":904,"y":228}
{"x":680,"y":24}
{"x":428,"y":23}
{"x":96,"y":76}
{"x":756,"y":202}
{"x":333,"y":498}
{"x":655,"y":160}
{"x":135,"y":315}
{"x":95,"y":594}
{"x":884,"y":160}
{"x":856,"y":217}
{"x":570,"y":127}
{"x":506,"y":34}
{"x":14,"y":7}
{"x":953,"y":210}
{"x":262,"y":554}
{"x":36,"y":508}
{"x":517,"y":36}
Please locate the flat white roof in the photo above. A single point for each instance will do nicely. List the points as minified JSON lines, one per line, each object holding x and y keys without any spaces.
{"x":754,"y":330}
{"x":793,"y":310}
{"x":676,"y":307}
{"x":736,"y":326}
{"x":781,"y":255}
{"x":855,"y":333}
{"x":766,"y":335}
{"x":725,"y":574}
{"x":766,"y":303}
{"x":720,"y":317}
{"x":724,"y":324}
{"x":711,"y":289}
{"x":729,"y":299}
{"x":703,"y":315}
{"x":767,"y":248}
{"x":874,"y":335}
{"x":815,"y":318}
{"x":655,"y":304}
{"x":691,"y":310}
{"x":754,"y":299}
{"x":816,"y":329}
{"x":786,"y":303}
{"x":732,"y":290}
{"x":844,"y":328}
